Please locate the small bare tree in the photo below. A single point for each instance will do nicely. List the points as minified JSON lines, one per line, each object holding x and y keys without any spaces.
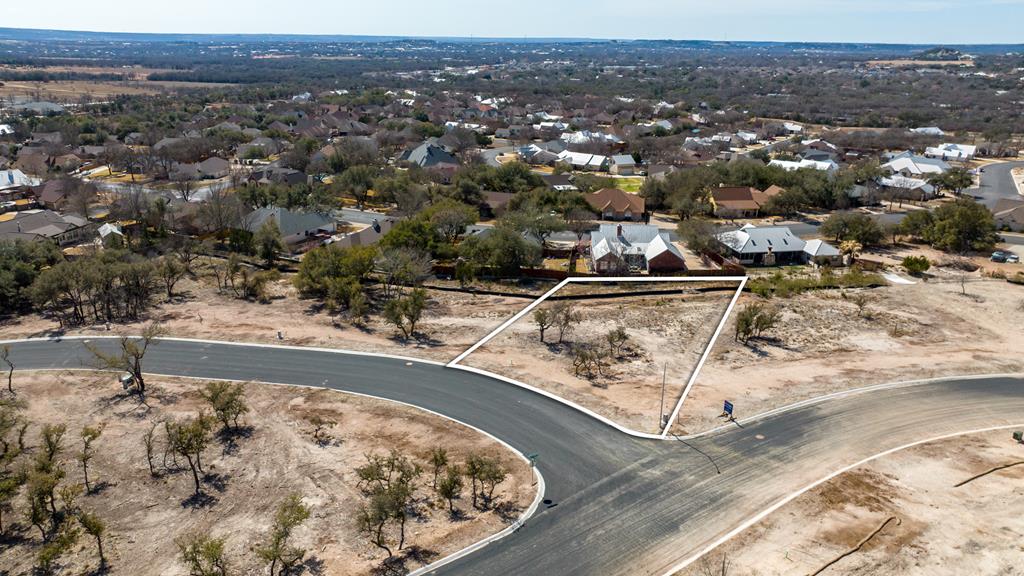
{"x":89,"y":435}
{"x":320,"y":425}
{"x":128,"y":357}
{"x":544,"y":319}
{"x":149,"y":441}
{"x":617,"y":339}
{"x":5,"y":355}
{"x":566,"y":317}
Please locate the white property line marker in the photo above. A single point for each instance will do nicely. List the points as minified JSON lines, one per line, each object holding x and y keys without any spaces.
{"x":742,"y":280}
{"x":764,"y":513}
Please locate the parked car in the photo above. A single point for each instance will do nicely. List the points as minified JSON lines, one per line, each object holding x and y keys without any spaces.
{"x":1000,"y":256}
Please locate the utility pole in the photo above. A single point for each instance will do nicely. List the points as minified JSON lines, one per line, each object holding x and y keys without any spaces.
{"x":661,"y":410}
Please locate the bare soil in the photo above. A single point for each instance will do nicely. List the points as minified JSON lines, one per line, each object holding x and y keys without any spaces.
{"x":248,"y":475}
{"x":825,"y":344}
{"x":937,"y":528}
{"x":667,"y":335}
{"x":453,"y":322}
{"x":76,"y":90}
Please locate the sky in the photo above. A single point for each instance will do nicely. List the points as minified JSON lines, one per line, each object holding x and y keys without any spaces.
{"x":875,"y":21}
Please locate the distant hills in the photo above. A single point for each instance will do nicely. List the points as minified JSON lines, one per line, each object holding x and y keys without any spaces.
{"x":940,"y":53}
{"x":916,"y":50}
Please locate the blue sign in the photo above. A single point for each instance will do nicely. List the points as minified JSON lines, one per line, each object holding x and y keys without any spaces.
{"x":728,"y":408}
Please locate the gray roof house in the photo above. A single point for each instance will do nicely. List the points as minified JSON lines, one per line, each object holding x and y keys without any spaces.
{"x":429,"y":155}
{"x":622,"y":164}
{"x":31,"y":225}
{"x":624,"y":248}
{"x":822,"y":253}
{"x":771,"y":245}
{"x":295,"y":226}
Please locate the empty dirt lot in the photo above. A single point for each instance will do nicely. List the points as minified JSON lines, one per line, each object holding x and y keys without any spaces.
{"x":926,"y":524}
{"x":825,"y":343}
{"x":666,"y":335}
{"x":248,"y":476}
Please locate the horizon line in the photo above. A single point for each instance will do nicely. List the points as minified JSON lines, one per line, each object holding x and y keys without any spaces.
{"x":503,"y":39}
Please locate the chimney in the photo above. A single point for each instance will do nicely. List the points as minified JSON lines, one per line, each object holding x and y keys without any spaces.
{"x":618,"y":230}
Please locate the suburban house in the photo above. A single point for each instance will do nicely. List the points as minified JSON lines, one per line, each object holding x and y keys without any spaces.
{"x":429,"y":155}
{"x":111,"y":236}
{"x":495,"y":203}
{"x":295,"y":226}
{"x":1009,"y":214}
{"x":15,"y":179}
{"x":772,"y":245}
{"x":961,"y":152}
{"x":741,"y":201}
{"x":35,"y":225}
{"x":584,"y":161}
{"x":622,"y":165}
{"x":537,"y":156}
{"x":279,"y":175}
{"x":614,"y":204}
{"x":53,"y":193}
{"x":911,"y":165}
{"x":559,"y":182}
{"x":910,"y":187}
{"x":214,"y":167}
{"x":794,"y":165}
{"x":625,"y":248}
{"x":821,"y":253}
{"x":367,"y":236}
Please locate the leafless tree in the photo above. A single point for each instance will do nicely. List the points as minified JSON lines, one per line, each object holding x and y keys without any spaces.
{"x":221,"y":210}
{"x":129,"y":354}
{"x":185,"y":186}
{"x":5,"y":355}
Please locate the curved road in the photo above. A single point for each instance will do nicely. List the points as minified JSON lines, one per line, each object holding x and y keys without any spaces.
{"x":614,"y":504}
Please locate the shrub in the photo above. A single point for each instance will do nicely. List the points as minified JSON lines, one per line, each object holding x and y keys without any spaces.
{"x":916,"y":265}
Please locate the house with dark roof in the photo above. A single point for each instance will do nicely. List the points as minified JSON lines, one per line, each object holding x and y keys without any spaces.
{"x":559,"y":182}
{"x":615,"y":204}
{"x":38,"y":225}
{"x":295,"y":226}
{"x":279,"y":175}
{"x":214,"y":167}
{"x":619,"y":249}
{"x":741,"y":201}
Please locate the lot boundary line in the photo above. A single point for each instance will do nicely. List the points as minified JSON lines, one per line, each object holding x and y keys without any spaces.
{"x":666,"y":423}
{"x":787,"y":499}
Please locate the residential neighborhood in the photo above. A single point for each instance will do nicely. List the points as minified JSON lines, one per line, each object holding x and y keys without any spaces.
{"x":526,"y":289}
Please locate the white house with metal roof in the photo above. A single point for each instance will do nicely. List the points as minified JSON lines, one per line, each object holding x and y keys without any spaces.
{"x":949,"y":151}
{"x":625,"y":248}
{"x":765,"y":245}
{"x":794,"y":165}
{"x":911,"y":165}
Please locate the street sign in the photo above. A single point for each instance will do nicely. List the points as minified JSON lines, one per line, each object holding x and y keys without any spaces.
{"x":728,"y":408}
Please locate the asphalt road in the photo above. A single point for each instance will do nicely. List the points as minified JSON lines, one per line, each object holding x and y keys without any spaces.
{"x":614,"y":504}
{"x":997,"y":184}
